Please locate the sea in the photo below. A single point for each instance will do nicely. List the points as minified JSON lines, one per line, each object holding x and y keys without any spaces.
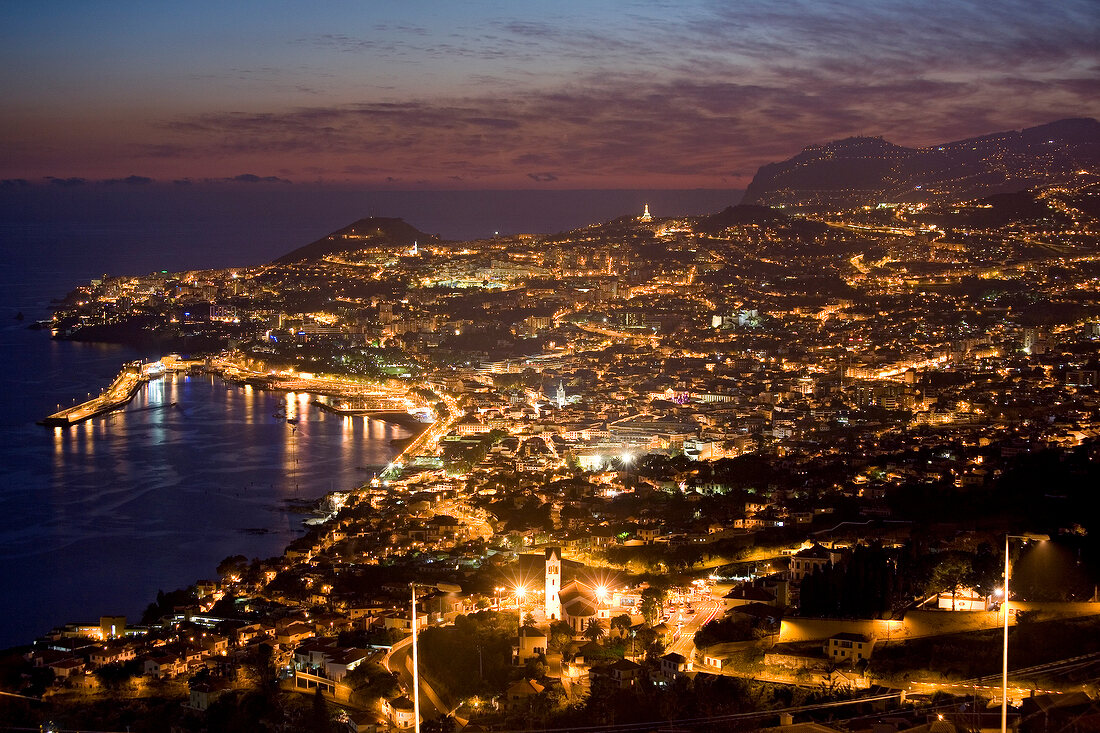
{"x":95,"y":519}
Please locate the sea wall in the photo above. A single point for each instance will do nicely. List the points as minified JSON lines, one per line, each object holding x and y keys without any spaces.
{"x":917,"y":624}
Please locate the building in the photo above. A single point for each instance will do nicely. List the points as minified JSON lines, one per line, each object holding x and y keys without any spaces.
{"x":553,"y":583}
{"x":847,"y":647}
{"x":805,"y":562}
{"x":530,"y":643}
{"x":963,"y":599}
{"x":580,"y":603}
{"x":400,"y":712}
{"x":517,"y":697}
{"x":674,"y":665}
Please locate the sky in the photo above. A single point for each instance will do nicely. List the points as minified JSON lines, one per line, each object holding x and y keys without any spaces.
{"x":415,"y":94}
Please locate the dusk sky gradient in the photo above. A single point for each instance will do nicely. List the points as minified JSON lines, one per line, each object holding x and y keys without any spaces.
{"x":481,"y":95}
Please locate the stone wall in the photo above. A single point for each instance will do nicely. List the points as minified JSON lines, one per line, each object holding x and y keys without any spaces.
{"x":918,"y":624}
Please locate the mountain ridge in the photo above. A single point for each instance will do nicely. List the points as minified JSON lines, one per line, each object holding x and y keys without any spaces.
{"x":858,"y":171}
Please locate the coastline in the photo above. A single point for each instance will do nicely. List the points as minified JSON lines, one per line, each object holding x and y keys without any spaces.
{"x":312,"y":511}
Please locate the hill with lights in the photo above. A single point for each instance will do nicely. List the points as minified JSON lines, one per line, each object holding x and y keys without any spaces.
{"x":374,"y":231}
{"x":860,"y":171}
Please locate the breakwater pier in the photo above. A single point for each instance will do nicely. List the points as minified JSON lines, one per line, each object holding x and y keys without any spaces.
{"x":121,"y":391}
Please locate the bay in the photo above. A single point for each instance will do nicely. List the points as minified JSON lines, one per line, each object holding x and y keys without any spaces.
{"x":98,"y":517}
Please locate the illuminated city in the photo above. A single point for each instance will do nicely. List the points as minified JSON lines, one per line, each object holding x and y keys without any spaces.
{"x":820,"y":461}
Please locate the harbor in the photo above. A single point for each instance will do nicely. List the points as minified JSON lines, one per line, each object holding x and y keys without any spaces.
{"x":336,"y":396}
{"x":115,"y":397}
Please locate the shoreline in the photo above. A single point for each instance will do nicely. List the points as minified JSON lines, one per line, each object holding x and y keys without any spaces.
{"x":310,"y":512}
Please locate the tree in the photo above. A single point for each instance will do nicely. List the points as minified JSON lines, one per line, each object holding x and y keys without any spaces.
{"x":561,"y":636}
{"x":593,"y":631}
{"x":986,"y":570}
{"x":621,"y":622}
{"x":529,"y":619}
{"x":653,"y":600}
{"x":116,"y":675}
{"x":950,"y":574}
{"x":536,"y":667}
{"x":320,"y":720}
{"x":261,"y":666}
{"x":233,"y":568}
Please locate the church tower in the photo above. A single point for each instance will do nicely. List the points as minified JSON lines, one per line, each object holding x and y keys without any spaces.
{"x":553,"y":583}
{"x":646,"y":216}
{"x":559,"y":398}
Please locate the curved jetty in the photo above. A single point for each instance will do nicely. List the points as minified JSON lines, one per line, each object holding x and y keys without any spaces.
{"x":118,"y":395}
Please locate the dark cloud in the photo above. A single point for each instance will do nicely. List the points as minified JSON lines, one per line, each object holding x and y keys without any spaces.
{"x":66,"y":182}
{"x":130,"y":181}
{"x":252,"y":178}
{"x":14,"y":183}
{"x":542,"y":177}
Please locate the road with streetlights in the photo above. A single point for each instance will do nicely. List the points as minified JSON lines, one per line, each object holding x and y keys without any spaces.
{"x":706,"y":610}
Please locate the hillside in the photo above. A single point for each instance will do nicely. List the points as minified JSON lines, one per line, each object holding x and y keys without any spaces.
{"x":371,"y":232}
{"x":864,"y":170}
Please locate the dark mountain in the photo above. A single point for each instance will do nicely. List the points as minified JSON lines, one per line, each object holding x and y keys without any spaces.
{"x":375,"y":231}
{"x":1002,"y":209}
{"x":739,"y":215}
{"x":865,"y":170}
{"x":748,"y":214}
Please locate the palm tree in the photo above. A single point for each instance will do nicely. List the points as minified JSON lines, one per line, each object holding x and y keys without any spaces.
{"x":593,"y":631}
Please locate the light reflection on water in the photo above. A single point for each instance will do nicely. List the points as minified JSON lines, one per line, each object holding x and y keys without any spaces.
{"x":154,"y":496}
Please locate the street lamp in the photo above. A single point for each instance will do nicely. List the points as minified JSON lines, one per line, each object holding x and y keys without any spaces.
{"x":521,"y":596}
{"x":626,"y":459}
{"x":1026,"y":537}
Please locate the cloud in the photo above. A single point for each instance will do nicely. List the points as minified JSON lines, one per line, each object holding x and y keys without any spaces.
{"x":66,"y":182}
{"x":253,"y":178}
{"x":684,"y":126}
{"x":14,"y":183}
{"x":130,"y":180}
{"x":708,"y":91}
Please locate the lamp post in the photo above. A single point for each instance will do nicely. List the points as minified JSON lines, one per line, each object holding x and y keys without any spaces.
{"x":416,"y":666}
{"x":1026,"y":537}
{"x":521,"y":595}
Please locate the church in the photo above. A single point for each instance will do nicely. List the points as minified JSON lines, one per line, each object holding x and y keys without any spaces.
{"x":576,"y":603}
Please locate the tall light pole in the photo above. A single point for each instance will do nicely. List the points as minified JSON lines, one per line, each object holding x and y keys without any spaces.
{"x":1026,"y":537}
{"x":416,"y":667}
{"x":521,"y":595}
{"x":446,"y":588}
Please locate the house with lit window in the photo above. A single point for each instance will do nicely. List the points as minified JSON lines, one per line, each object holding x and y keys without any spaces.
{"x":805,"y":562}
{"x":848,"y":647}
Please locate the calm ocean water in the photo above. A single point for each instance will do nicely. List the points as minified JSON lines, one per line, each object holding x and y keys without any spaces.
{"x":100,"y":516}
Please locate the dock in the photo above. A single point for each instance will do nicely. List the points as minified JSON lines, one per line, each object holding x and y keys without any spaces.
{"x":398,"y":417}
{"x":118,"y":395}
